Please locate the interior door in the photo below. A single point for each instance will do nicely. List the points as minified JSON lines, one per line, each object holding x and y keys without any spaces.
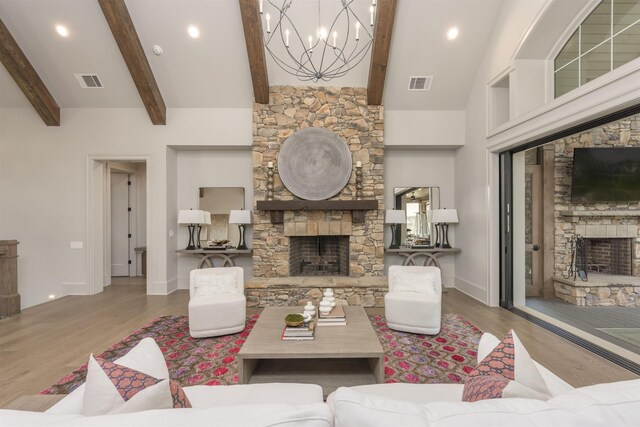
{"x":119,"y":224}
{"x":533,"y":235}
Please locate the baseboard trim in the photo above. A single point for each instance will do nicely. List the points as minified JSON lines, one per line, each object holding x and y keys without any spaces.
{"x":588,"y":345}
{"x":471,"y":289}
{"x":79,"y":288}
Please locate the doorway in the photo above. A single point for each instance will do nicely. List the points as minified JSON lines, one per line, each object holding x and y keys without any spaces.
{"x":117,"y":222}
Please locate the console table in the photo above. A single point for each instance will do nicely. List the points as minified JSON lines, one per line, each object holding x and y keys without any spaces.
{"x":207,"y":256}
{"x":411,"y":255}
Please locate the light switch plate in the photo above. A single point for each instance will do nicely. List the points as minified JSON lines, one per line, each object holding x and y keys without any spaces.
{"x":77,"y":245}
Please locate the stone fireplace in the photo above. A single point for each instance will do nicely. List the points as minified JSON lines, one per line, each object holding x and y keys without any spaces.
{"x":279,"y":255}
{"x":611,"y":229}
{"x":319,"y":256}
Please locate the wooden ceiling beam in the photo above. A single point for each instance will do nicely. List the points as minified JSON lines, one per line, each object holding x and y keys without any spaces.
{"x":27,"y":78}
{"x":124,"y":32}
{"x":385,"y":15}
{"x":255,"y":49}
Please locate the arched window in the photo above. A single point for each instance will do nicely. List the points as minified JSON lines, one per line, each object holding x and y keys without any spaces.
{"x":608,"y":38}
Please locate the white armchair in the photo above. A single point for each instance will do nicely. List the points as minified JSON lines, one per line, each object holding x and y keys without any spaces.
{"x":414,"y":301}
{"x":217,"y":305}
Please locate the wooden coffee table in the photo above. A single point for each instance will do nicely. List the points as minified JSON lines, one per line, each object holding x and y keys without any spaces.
{"x":338,"y":356}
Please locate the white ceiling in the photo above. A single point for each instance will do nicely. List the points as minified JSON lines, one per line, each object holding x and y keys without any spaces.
{"x":213,"y":71}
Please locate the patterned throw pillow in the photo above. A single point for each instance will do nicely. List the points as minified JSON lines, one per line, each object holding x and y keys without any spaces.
{"x":112,"y":388}
{"x":508,"y":371}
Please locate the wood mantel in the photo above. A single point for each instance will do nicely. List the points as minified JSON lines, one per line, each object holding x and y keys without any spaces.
{"x":278,"y":207}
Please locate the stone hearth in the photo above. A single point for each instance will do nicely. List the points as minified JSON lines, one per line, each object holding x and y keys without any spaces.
{"x":296,"y":291}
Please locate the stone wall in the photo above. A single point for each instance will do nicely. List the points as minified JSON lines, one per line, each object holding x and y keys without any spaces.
{"x":577,"y":293}
{"x":345,"y":112}
{"x":622,"y":133}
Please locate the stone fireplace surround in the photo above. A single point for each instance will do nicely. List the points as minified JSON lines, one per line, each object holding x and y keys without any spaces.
{"x":611,"y":220}
{"x":345,"y":112}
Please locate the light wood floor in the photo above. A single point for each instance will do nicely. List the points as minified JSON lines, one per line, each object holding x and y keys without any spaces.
{"x":46,"y":342}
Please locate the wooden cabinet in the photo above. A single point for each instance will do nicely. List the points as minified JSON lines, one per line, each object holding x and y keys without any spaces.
{"x":9,"y":296}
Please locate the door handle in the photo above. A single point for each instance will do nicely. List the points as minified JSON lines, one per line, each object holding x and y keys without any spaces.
{"x":535,"y":247}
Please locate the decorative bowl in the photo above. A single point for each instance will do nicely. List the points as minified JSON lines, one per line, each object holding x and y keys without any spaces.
{"x":294,"y":320}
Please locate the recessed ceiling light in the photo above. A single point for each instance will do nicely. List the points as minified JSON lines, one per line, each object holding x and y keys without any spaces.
{"x":62,"y":30}
{"x":193,"y":31}
{"x":453,"y":32}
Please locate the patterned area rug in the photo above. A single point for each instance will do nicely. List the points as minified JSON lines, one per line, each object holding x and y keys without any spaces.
{"x":409,"y":358}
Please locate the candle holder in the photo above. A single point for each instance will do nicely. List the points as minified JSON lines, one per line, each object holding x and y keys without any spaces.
{"x":270,"y":181}
{"x":359,"y":182}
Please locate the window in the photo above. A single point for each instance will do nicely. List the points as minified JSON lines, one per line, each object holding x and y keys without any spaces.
{"x":608,"y":38}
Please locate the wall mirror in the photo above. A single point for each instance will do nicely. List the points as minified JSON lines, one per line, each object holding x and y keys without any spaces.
{"x":219,"y":201}
{"x":417,"y":202}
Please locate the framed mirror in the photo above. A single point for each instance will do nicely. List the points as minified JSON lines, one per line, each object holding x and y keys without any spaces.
{"x":417,"y":202}
{"x":219,"y":201}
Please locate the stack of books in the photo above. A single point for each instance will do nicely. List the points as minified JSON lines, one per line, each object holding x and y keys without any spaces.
{"x":299,"y":333}
{"x":335,"y":317}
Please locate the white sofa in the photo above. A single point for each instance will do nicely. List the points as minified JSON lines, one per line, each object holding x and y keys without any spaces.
{"x":406,"y":405}
{"x":440,"y":405}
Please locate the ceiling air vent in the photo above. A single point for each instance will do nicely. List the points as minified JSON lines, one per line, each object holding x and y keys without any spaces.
{"x":420,"y":83}
{"x":89,"y":81}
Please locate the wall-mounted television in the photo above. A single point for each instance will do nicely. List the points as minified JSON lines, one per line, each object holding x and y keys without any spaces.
{"x":606,"y":175}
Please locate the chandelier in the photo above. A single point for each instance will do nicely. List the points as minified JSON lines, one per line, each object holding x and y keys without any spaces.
{"x":325,"y":51}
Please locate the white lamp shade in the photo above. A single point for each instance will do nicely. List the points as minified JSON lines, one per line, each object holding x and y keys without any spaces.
{"x":240,"y":217}
{"x":190,"y":216}
{"x":445,"y":216}
{"x":206,"y":218}
{"x":393,"y":216}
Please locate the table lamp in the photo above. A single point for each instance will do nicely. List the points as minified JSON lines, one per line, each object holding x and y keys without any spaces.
{"x":444,"y":217}
{"x":240,"y":217}
{"x":394,"y":217}
{"x":193,"y":218}
{"x":206,"y":220}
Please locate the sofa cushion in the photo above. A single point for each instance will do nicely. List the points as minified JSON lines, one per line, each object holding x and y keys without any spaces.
{"x":223,"y":282}
{"x":508,"y":371}
{"x":113,"y":388}
{"x":554,"y":383}
{"x":145,"y":357}
{"x":354,"y":409}
{"x":414,"y":281}
{"x":280,"y":415}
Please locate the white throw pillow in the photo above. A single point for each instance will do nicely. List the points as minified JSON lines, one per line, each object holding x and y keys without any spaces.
{"x":507,"y":371}
{"x":213,"y":284}
{"x":145,"y":357}
{"x":102,"y":397}
{"x":415,"y":281}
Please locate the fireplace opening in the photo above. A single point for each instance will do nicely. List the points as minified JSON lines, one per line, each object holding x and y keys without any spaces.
{"x":610,"y":256}
{"x":319,"y":256}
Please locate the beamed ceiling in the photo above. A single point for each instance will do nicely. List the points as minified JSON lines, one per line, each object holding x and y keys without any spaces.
{"x":227,"y":64}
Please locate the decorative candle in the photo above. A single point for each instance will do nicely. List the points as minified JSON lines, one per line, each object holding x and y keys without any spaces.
{"x":357,"y":30}
{"x":371,"y":11}
{"x":286,"y":37}
{"x":358,"y":164}
{"x":270,"y":164}
{"x":260,"y":6}
{"x":335,"y":36}
{"x":310,"y":42}
{"x":268,"y":17}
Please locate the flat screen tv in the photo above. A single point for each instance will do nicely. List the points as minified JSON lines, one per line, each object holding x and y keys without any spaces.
{"x":606,"y":175}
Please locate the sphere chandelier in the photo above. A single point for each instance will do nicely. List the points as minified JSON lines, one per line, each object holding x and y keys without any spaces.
{"x":328,"y":51}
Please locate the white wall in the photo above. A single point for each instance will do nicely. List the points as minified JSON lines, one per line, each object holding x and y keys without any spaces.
{"x":421,"y":168}
{"x":43,"y":180}
{"x":211,"y":168}
{"x":475,"y":184}
{"x":416,"y":129}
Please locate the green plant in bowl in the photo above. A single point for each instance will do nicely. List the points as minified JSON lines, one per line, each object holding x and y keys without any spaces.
{"x":294,"y":319}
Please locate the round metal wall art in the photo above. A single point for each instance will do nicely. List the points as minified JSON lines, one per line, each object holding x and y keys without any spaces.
{"x":314,"y":164}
